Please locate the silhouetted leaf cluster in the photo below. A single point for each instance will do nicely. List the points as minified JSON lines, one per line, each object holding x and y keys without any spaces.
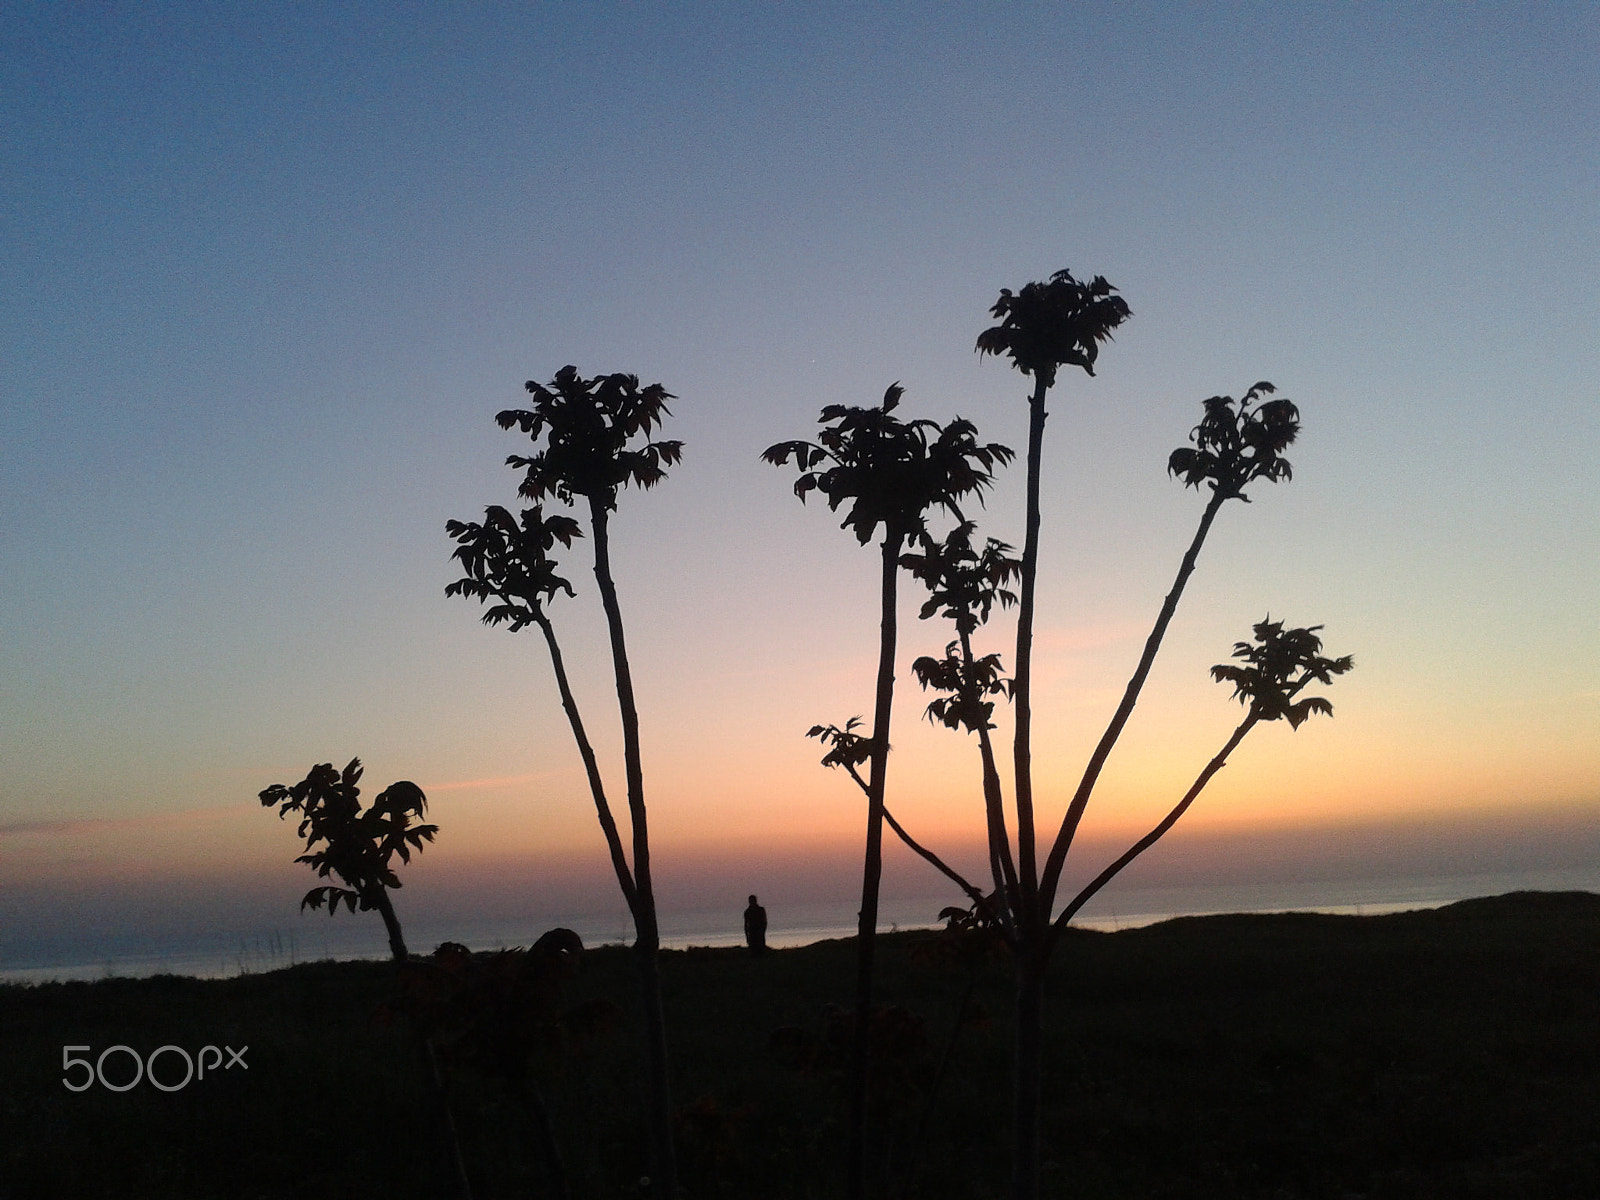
{"x":1278,"y":664}
{"x":1048,"y":325}
{"x":509,"y":559}
{"x":963,"y":583}
{"x":968,"y":681}
{"x":848,"y":749}
{"x":890,"y":471}
{"x":359,"y":844}
{"x":589,"y":426}
{"x":1236,"y":443}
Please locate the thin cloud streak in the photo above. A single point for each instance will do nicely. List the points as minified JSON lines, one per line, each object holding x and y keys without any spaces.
{"x":463,"y":785}
{"x":67,"y":826}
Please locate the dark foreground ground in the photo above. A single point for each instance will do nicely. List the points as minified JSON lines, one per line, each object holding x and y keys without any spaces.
{"x":1452,"y":1053}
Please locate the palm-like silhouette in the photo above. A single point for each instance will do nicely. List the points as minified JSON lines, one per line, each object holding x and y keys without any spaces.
{"x":508,"y":560}
{"x":1238,"y":442}
{"x":590,"y":427}
{"x":885,"y":473}
{"x":1043,"y":327}
{"x":1277,"y":667}
{"x":1060,"y":323}
{"x":592,"y":438}
{"x":890,"y":472}
{"x":357,"y":845}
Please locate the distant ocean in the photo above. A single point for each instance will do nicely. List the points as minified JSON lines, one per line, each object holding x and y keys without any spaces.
{"x":226,"y":953}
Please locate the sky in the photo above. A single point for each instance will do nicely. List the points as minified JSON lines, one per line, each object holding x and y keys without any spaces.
{"x":270,"y":271}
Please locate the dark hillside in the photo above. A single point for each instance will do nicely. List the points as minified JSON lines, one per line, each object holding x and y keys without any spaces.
{"x":1452,"y":1053}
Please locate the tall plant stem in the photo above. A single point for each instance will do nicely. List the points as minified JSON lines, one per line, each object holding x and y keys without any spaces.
{"x":648,"y":941}
{"x":1001,"y":866}
{"x":1022,"y":679}
{"x":872,"y":870}
{"x":591,"y":765}
{"x":1167,"y":822}
{"x":1130,"y":697}
{"x":1031,"y":958}
{"x":1031,"y":918}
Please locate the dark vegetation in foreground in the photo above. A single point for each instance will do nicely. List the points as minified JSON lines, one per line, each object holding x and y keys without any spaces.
{"x":1452,"y":1053}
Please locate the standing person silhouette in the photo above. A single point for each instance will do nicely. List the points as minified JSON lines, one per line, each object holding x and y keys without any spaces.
{"x":755,"y":927}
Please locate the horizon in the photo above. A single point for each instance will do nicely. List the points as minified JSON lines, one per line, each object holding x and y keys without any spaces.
{"x":274,"y":273}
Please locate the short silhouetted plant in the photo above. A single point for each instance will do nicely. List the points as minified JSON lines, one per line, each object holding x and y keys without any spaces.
{"x":886,"y":474}
{"x":358,"y":845}
{"x":592,"y":438}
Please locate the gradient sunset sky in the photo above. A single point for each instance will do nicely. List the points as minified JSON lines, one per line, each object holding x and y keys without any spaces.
{"x":270,"y":271}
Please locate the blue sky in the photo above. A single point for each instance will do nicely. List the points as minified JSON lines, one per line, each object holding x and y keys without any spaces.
{"x":270,"y":270}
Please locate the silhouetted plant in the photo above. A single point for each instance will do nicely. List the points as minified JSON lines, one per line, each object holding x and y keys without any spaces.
{"x":1235,"y":444}
{"x":592,"y":439}
{"x":886,"y":473}
{"x":1042,"y":328}
{"x":357,"y":845}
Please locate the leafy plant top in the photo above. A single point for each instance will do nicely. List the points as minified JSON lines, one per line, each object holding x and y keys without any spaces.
{"x":357,"y":844}
{"x":1049,"y":325}
{"x":1238,"y":442}
{"x":1277,"y":665}
{"x":591,"y":431}
{"x":846,"y":747}
{"x":887,"y":471}
{"x":964,"y":584}
{"x":967,"y":681}
{"x":509,"y":559}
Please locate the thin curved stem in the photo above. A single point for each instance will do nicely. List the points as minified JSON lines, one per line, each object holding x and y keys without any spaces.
{"x":1130,"y":697}
{"x":933,"y":859}
{"x":918,"y":848}
{"x":1151,"y":838}
{"x":591,"y":766}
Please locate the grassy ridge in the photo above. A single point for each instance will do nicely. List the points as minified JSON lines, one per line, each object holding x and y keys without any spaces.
{"x":1452,"y":1053}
